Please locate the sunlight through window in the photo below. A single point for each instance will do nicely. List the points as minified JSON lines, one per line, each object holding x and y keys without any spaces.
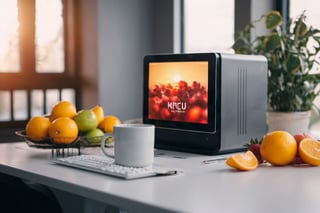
{"x":9,"y":31}
{"x":209,"y":25}
{"x":28,"y":27}
{"x":49,"y":36}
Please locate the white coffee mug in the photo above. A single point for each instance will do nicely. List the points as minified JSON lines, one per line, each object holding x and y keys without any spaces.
{"x":133,"y":144}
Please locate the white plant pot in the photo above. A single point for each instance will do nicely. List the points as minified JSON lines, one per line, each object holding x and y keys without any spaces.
{"x":292,"y":122}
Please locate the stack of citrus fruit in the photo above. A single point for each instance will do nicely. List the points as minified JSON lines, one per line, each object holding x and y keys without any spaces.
{"x":60,"y":126}
{"x":65,"y":124}
{"x":279,"y":148}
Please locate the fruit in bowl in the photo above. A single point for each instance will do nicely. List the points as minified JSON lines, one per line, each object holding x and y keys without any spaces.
{"x":64,"y":125}
{"x":86,"y":120}
{"x":94,"y":136}
{"x":99,"y":112}
{"x":37,"y":128}
{"x":63,"y":109}
{"x":108,"y":122}
{"x":63,"y":130}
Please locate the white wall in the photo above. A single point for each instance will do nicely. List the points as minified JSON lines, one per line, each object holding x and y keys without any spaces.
{"x":124,"y":38}
{"x":128,"y":30}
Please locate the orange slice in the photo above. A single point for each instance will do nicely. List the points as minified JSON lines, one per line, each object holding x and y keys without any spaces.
{"x":309,"y":150}
{"x":243,"y":161}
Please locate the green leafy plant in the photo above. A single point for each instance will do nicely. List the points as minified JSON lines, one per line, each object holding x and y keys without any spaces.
{"x":291,"y":51}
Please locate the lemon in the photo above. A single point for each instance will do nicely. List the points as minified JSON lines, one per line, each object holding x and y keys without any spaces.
{"x":98,"y":110}
{"x":108,"y":123}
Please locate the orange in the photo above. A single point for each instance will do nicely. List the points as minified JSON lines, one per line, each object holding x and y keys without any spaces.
{"x":278,"y":148}
{"x":63,"y":130}
{"x":37,"y":128}
{"x":63,"y":109}
{"x":98,"y":110}
{"x":309,"y":150}
{"x":243,"y":161}
{"x":108,"y":123}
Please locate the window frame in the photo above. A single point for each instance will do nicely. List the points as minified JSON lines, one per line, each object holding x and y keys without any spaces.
{"x":242,"y":16}
{"x":75,"y":75}
{"x":27,"y":77}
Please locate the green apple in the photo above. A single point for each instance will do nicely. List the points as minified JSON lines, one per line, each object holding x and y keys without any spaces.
{"x":94,"y":135}
{"x":86,"y":120}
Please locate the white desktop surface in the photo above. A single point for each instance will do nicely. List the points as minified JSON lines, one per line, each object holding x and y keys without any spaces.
{"x":201,"y":188}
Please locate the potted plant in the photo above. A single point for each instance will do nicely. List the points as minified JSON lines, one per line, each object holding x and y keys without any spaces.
{"x":291,"y":52}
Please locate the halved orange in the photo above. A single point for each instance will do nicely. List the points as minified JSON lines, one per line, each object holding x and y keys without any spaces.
{"x":309,"y":150}
{"x":243,"y":161}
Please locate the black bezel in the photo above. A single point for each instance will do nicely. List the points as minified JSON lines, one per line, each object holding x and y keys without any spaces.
{"x":212,"y":91}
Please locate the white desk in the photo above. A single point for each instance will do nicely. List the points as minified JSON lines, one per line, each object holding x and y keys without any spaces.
{"x":202,"y":188}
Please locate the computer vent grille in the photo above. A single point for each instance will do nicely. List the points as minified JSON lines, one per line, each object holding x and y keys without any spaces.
{"x":242,"y":102}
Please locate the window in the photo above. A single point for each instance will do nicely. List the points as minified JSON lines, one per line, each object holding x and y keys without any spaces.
{"x":49,"y":36}
{"x":9,"y":43}
{"x":208,"y":25}
{"x":311,"y":8}
{"x":35,"y":69}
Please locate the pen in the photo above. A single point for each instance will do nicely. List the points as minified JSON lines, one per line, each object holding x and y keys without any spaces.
{"x":213,"y":160}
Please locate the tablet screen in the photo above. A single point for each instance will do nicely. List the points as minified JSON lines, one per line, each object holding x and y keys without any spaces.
{"x":180,"y":91}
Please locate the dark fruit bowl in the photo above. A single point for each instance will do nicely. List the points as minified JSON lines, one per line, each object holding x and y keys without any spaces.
{"x":94,"y":141}
{"x":90,"y":141}
{"x":46,"y":143}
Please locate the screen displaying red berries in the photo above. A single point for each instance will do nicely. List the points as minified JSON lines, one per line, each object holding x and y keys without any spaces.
{"x":178,"y":91}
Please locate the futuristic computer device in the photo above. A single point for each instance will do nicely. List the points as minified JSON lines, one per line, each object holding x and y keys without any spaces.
{"x":208,"y":103}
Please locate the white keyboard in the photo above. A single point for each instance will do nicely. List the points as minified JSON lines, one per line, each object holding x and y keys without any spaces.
{"x":105,"y":165}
